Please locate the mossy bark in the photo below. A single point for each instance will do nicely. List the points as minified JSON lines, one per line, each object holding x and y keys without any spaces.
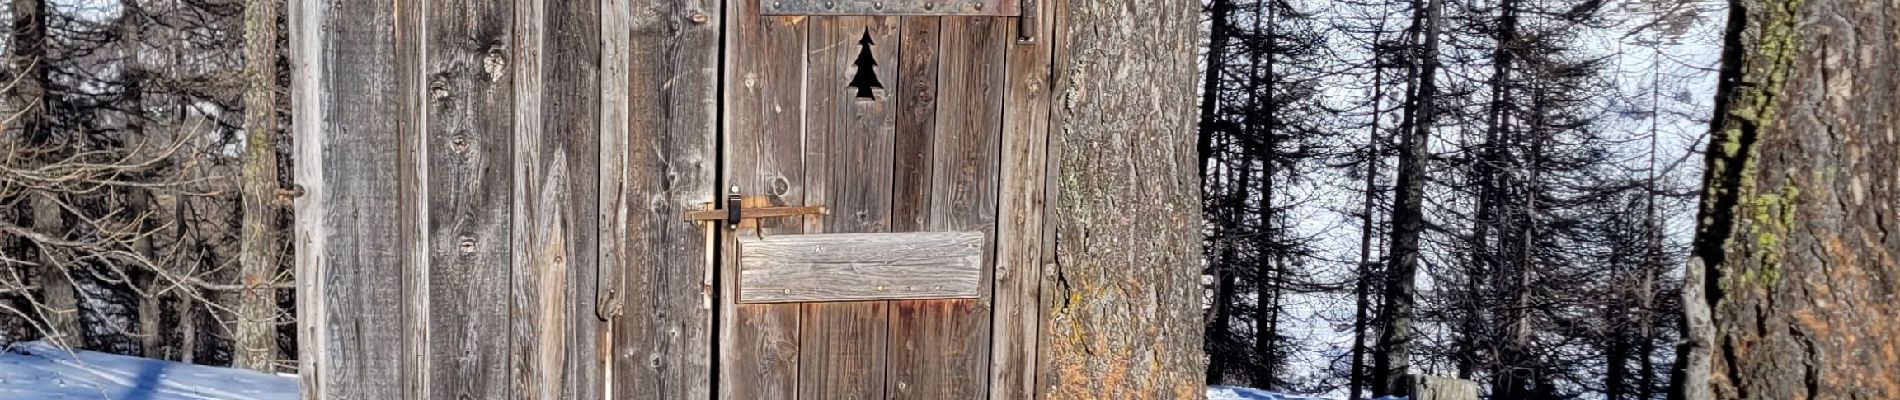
{"x":259,"y":241}
{"x":1798,"y":263}
{"x":1124,"y":311}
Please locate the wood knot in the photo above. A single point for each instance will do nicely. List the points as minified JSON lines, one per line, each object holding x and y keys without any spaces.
{"x":698,"y":17}
{"x":287,"y":196}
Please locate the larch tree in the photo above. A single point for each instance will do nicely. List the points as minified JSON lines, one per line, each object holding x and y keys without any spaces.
{"x":259,"y":241}
{"x":1123,"y":317}
{"x":1795,"y":256}
{"x":1393,"y":356}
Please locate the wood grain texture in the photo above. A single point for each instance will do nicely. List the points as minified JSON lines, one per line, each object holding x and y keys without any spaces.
{"x":468,"y":148}
{"x":915,"y":88}
{"x":349,"y":256}
{"x":949,"y":353}
{"x":847,"y":140}
{"x":558,"y":333}
{"x":1020,"y":206}
{"x":763,"y":155}
{"x":656,"y":163}
{"x":1128,"y":306}
{"x":842,"y":351}
{"x":571,"y":155}
{"x":859,"y":133}
{"x":412,"y":172}
{"x":531,"y":247}
{"x":936,"y":334}
{"x":860,"y":266}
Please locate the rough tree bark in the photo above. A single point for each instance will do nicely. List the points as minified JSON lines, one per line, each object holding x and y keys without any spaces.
{"x":1798,"y":220}
{"x":1124,"y":318}
{"x":256,"y":331}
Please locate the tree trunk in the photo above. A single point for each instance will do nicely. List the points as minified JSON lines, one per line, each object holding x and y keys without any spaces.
{"x":58,"y":307}
{"x":1124,"y":321}
{"x":1362,"y":290}
{"x":256,"y":333}
{"x":1408,"y":219}
{"x":1797,"y":221}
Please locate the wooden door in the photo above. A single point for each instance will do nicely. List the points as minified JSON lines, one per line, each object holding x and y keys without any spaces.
{"x":894,"y":125}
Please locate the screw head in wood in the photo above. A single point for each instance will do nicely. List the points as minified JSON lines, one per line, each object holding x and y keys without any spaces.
{"x":830,"y":5}
{"x":930,"y":5}
{"x":878,"y":5}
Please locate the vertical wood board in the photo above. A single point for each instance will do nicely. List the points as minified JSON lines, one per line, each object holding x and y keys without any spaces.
{"x":467,"y":147}
{"x":656,"y":163}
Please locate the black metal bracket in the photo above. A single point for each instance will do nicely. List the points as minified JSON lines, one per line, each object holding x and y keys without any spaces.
{"x":734,"y":204}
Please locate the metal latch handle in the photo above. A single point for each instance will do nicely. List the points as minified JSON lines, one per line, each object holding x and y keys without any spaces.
{"x":735,"y":211}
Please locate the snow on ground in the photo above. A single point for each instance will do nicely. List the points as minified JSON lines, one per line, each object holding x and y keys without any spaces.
{"x":1241,"y":393}
{"x":40,"y":371}
{"x":37,"y":370}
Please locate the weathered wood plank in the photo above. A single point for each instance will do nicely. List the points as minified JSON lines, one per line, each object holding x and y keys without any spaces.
{"x":916,"y":96}
{"x":571,"y":152}
{"x":822,"y":77}
{"x":935,"y":334}
{"x":466,"y":207}
{"x":860,"y":266}
{"x":348,"y":254}
{"x":412,"y":170}
{"x":847,"y":163}
{"x":963,"y":193}
{"x":763,"y":155}
{"x":843,"y":350}
{"x":528,"y":308}
{"x":664,"y":164}
{"x":558,"y":333}
{"x":615,"y":106}
{"x":862,"y":132}
{"x":1020,"y":206}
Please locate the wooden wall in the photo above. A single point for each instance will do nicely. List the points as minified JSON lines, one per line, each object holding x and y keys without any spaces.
{"x":493,"y":196}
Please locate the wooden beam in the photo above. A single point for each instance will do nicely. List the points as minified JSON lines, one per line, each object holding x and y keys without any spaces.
{"x":860,"y":266}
